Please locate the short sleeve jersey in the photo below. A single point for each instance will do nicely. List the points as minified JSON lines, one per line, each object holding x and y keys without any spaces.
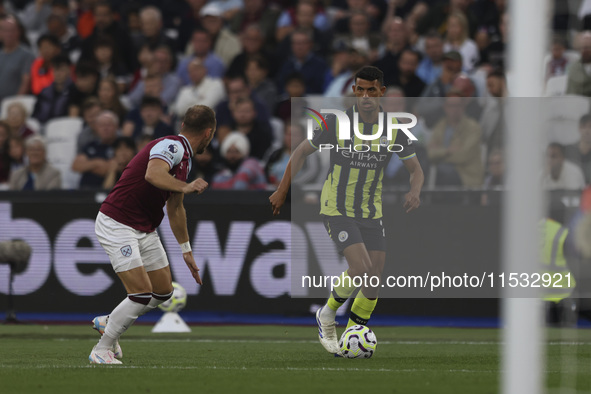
{"x":134,"y":201}
{"x":353,"y":186}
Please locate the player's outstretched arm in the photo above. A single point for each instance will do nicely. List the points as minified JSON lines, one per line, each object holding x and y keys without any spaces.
{"x":177,"y":216}
{"x":157,"y":174}
{"x":412,"y":199}
{"x":296,"y":161}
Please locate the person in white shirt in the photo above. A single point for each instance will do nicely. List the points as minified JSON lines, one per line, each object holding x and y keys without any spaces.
{"x":457,"y":40}
{"x":203,"y":90}
{"x":561,"y":174}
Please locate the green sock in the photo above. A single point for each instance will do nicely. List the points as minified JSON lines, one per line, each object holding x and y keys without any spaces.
{"x":361,"y":310}
{"x":341,"y":293}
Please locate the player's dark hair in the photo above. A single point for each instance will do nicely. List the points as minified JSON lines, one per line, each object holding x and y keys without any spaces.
{"x":61,"y":60}
{"x":198,"y":118}
{"x":585,"y":119}
{"x":370,"y":73}
{"x":150,"y":101}
{"x":48,"y":38}
{"x":124,"y":141}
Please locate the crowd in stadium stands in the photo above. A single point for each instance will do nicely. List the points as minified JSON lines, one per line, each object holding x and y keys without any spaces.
{"x":128,"y":71}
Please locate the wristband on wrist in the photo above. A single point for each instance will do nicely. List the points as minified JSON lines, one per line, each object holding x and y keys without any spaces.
{"x":186,"y":247}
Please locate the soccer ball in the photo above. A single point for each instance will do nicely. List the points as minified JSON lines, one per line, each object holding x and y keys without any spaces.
{"x":177,"y":301}
{"x":358,"y":342}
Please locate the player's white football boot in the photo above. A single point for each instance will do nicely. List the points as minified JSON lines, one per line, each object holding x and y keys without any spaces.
{"x":99,"y":323}
{"x":102,"y":356}
{"x":327,"y":334}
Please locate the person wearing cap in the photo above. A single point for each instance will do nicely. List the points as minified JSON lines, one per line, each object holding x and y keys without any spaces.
{"x":225,"y":43}
{"x":242,"y":172}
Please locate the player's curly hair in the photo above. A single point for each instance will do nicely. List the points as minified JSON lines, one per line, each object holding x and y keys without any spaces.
{"x":370,"y":73}
{"x":198,"y":118}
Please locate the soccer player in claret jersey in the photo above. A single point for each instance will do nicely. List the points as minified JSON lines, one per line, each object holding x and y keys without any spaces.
{"x":351,"y":202}
{"x":127,"y":220}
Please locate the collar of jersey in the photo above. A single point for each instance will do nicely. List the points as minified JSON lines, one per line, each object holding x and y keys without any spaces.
{"x":190,"y":147}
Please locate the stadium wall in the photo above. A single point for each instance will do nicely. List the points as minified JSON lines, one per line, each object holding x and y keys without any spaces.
{"x":242,"y":250}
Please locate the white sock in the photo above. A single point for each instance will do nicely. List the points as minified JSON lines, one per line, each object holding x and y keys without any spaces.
{"x":156,"y":300}
{"x":120,"y":320}
{"x":327,"y":315}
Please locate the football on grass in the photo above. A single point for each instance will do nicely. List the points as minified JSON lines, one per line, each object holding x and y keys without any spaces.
{"x":358,"y":342}
{"x":177,"y":301}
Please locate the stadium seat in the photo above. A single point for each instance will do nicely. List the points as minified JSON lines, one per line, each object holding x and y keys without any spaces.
{"x":62,"y":135}
{"x":26,"y":99}
{"x":562,"y":117}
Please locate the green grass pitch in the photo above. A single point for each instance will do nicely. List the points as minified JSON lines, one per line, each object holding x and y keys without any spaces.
{"x":276,"y":359}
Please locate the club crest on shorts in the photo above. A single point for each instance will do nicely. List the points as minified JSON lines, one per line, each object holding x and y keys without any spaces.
{"x":126,"y":251}
{"x":343,"y":235}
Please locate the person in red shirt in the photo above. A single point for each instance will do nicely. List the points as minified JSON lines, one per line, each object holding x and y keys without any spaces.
{"x":129,"y":216}
{"x":41,"y":71}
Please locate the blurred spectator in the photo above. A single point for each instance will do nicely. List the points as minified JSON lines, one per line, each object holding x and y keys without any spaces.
{"x":203,"y":90}
{"x":256,"y":12}
{"x":201,"y":41}
{"x":407,"y":78}
{"x":257,"y":72}
{"x":493,"y":120}
{"x":146,"y":64}
{"x":294,"y":87}
{"x":150,"y":122}
{"x":579,"y":74}
{"x":108,"y":95}
{"x":438,"y":14}
{"x":306,"y":13}
{"x":226,"y":44}
{"x":558,"y":63}
{"x":252,"y":44}
{"x":41,"y":72}
{"x":107,"y":25}
{"x":86,"y":19}
{"x":34,"y":15}
{"x":466,"y":87}
{"x":241,"y":172}
{"x":258,"y":132}
{"x":38,"y":174}
{"x":277,"y":163}
{"x":238,"y":88}
{"x":52,"y":102}
{"x":85,"y":86}
{"x":312,"y":67}
{"x":90,"y":111}
{"x":4,"y":154}
{"x":57,"y":26}
{"x":93,"y":161}
{"x":15,"y":60}
{"x":494,"y":54}
{"x":457,"y":39}
{"x":580,"y":153}
{"x":374,"y":8}
{"x":164,"y":67}
{"x":203,"y":165}
{"x":389,"y":54}
{"x":360,"y":36}
{"x":430,"y":67}
{"x":16,"y":119}
{"x":123,"y":151}
{"x":454,"y":147}
{"x":495,"y":177}
{"x":561,"y":174}
{"x":151,"y":28}
{"x":16,"y":151}
{"x":189,"y":21}
{"x":107,"y":64}
{"x":345,"y":63}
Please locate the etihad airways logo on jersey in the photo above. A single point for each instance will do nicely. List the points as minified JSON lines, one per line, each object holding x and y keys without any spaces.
{"x":344,"y":129}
